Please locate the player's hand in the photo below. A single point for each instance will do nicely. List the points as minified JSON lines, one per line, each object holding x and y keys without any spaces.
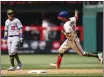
{"x":63,"y":32}
{"x":21,"y":39}
{"x":76,"y":12}
{"x":3,"y":41}
{"x":21,"y":42}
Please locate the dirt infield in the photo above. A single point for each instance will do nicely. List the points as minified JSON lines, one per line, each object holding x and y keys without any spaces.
{"x":55,"y":71}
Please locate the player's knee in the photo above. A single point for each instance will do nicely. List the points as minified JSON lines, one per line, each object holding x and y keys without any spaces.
{"x":60,"y":50}
{"x":61,"y":54}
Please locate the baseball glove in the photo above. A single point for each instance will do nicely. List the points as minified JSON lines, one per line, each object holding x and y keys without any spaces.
{"x":68,"y":36}
{"x":20,"y":43}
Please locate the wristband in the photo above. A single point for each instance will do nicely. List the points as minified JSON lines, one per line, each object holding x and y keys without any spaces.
{"x":5,"y":37}
{"x":20,"y":35}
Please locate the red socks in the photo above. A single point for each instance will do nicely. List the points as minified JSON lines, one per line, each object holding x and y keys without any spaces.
{"x":59,"y":59}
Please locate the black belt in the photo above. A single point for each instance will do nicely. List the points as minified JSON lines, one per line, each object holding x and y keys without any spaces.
{"x":12,"y":35}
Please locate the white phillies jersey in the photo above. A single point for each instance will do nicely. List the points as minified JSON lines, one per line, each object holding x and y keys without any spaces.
{"x":13,"y":26}
{"x":69,"y":26}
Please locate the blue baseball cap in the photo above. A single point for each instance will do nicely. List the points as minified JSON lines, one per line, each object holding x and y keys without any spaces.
{"x":63,"y":14}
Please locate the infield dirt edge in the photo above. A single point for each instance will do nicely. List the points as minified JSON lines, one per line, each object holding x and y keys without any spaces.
{"x":55,"y":71}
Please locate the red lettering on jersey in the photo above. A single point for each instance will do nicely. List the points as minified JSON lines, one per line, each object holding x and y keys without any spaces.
{"x":73,"y":27}
{"x":12,"y":27}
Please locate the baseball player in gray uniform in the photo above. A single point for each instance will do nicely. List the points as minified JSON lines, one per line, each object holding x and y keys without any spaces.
{"x":72,"y":41}
{"x":13,"y":31}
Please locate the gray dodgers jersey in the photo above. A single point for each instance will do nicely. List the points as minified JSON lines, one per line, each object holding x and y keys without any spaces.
{"x":13,"y":26}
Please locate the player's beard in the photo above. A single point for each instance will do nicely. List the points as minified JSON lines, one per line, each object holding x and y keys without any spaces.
{"x":10,"y":17}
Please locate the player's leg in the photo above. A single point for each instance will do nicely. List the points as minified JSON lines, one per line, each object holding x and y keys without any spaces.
{"x":14,"y":51}
{"x":18,"y":61}
{"x":78,"y":48}
{"x":98,"y":56}
{"x":90,"y":54}
{"x":12,"y":67}
{"x":17,"y":58}
{"x":78,"y":45}
{"x":61,"y":50}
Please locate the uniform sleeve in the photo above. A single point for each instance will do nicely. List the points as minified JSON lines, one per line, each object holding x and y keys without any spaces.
{"x":68,"y":30}
{"x":19,"y":24}
{"x":73,"y":19}
{"x":6,"y":26}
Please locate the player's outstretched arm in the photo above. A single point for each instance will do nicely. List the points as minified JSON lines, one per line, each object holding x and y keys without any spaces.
{"x":76,"y":14}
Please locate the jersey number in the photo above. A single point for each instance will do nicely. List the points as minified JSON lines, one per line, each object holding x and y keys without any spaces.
{"x":12,"y":27}
{"x":73,"y":27}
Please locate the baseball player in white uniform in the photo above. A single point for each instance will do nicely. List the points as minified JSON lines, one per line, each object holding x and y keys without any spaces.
{"x":72,"y":40}
{"x":13,"y":31}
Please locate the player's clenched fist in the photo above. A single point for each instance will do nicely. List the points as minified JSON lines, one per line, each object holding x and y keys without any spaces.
{"x":76,"y":11}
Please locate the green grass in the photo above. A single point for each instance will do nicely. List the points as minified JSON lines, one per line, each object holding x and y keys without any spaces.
{"x":70,"y":61}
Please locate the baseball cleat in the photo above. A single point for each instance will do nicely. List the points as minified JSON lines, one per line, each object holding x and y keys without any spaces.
{"x":11,"y":68}
{"x":19,"y":66}
{"x":54,"y":65}
{"x":100,"y":58}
